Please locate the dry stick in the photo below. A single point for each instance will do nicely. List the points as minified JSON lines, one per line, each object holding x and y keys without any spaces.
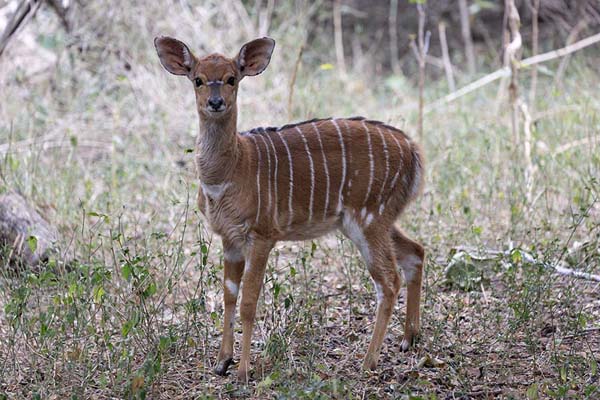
{"x":446,"y":57}
{"x":393,"y":21}
{"x":535,"y":7}
{"x":338,"y":37}
{"x":465,"y":28}
{"x":505,"y":71}
{"x":293,"y":80}
{"x":511,"y":59}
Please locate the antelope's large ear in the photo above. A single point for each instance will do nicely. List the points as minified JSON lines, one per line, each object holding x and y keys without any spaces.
{"x":254,"y":56}
{"x":174,"y":55}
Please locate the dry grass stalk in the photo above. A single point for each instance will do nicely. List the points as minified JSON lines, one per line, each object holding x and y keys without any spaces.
{"x":393,"y":22}
{"x":293,"y":81}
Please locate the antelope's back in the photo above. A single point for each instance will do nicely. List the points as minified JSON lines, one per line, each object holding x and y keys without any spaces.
{"x":311,"y":171}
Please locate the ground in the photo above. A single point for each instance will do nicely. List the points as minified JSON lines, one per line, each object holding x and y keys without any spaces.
{"x":101,"y":140}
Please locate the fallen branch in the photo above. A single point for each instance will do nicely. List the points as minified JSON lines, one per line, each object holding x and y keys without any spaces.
{"x":502,"y":72}
{"x":558,"y":267}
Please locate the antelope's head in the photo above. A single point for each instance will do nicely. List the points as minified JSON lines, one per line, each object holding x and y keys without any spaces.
{"x":215,"y":77}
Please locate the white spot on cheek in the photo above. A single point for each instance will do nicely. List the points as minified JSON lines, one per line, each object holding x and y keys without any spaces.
{"x":232,"y":287}
{"x":355,"y":233}
{"x":363,"y":212}
{"x":381,"y":208}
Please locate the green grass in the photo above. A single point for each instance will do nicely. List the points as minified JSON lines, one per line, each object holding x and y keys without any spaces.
{"x":132,"y":307}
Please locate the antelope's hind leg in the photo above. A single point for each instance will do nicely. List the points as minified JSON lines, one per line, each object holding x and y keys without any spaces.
{"x":233,"y":271}
{"x":410,"y":256}
{"x":376,"y":248}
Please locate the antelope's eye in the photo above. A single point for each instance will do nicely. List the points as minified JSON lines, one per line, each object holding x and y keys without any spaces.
{"x":231,"y":81}
{"x":198,"y":82}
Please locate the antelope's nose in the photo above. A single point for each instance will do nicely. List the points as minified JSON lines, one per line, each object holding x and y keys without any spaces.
{"x":216,"y":103}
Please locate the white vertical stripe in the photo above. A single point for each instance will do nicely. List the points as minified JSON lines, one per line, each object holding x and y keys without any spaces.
{"x":343,"y":147}
{"x":312,"y":175}
{"x":257,"y":177}
{"x":291,"y":191}
{"x":371,"y":163}
{"x":326,"y":168}
{"x":276,"y":216}
{"x":269,"y":174}
{"x":387,"y":166}
{"x":393,"y":135}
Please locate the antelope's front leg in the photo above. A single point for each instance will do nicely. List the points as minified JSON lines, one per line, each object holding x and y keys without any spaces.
{"x":234,"y":268}
{"x":254,"y":272}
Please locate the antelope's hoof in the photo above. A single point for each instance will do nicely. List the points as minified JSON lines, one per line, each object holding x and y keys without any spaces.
{"x":222,"y":366}
{"x":408,"y":342}
{"x":369,"y":364}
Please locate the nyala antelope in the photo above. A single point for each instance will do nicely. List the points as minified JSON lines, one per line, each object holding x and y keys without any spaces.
{"x":297,"y":182}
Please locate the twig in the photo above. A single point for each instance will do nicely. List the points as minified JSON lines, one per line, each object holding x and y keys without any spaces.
{"x":393,"y":30}
{"x":465,"y":26}
{"x":446,"y":57}
{"x":421,"y":53}
{"x":293,"y":80}
{"x":529,"y":168}
{"x":502,"y":72}
{"x":338,"y":36}
{"x":535,"y":7}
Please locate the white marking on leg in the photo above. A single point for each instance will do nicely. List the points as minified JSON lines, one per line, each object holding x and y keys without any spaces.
{"x":291,"y":191}
{"x":369,"y":219}
{"x":363,"y":212}
{"x":343,"y":147}
{"x":379,"y":292}
{"x":409,"y":266}
{"x":387,"y":167}
{"x":381,"y":208}
{"x":326,"y":168}
{"x":232,"y":287}
{"x":269,"y":174}
{"x":275,"y":181}
{"x":257,"y":178}
{"x":371,"y":163}
{"x":312,"y":175}
{"x":352,"y":229}
{"x":233,"y":255}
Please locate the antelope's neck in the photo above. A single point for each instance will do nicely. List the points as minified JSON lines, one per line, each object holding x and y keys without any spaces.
{"x":217,"y":149}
